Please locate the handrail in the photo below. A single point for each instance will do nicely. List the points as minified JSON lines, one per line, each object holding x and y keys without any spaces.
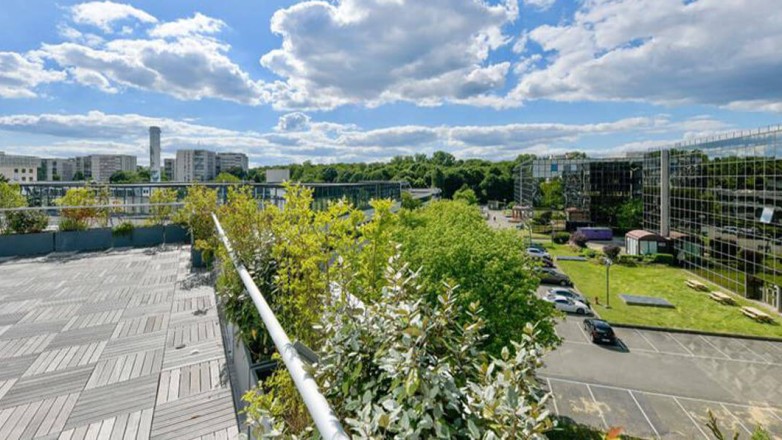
{"x":110,"y":206}
{"x":325,"y":420}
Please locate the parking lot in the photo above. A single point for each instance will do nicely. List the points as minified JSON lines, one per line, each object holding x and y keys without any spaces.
{"x":662,"y":384}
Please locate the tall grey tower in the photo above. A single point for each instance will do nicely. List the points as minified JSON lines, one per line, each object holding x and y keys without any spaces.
{"x":154,"y":154}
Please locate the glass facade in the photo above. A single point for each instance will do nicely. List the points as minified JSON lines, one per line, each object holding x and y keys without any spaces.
{"x":723,"y":210}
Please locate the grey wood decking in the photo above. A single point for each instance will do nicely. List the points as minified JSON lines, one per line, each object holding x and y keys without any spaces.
{"x":111,"y":346}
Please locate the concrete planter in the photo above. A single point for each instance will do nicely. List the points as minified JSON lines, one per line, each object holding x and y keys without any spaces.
{"x":176,"y":234}
{"x":81,"y":241}
{"x":148,"y":236}
{"x":122,"y":240}
{"x":26,"y":244}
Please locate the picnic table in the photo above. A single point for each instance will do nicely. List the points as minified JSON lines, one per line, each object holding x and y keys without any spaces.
{"x":756,"y":314}
{"x":697,"y":285}
{"x":722,"y":298}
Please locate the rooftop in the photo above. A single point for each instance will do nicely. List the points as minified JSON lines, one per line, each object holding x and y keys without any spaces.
{"x":119,"y":345}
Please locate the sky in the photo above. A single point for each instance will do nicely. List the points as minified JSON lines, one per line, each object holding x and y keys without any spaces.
{"x":365,"y":80}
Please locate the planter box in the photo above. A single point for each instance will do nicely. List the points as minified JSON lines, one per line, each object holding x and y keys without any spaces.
{"x":176,"y":234}
{"x":122,"y":240}
{"x":78,"y":241}
{"x":23,"y":245}
{"x":196,"y":258}
{"x":148,"y":236}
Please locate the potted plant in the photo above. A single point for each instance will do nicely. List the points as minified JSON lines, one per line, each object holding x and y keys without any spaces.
{"x":196,"y":215}
{"x":122,"y":235}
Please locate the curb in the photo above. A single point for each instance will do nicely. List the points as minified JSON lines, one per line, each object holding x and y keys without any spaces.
{"x":697,"y":332}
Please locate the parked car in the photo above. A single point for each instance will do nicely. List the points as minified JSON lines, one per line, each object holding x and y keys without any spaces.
{"x":567,"y":305}
{"x":567,"y":293}
{"x":599,"y":331}
{"x":553,"y":276}
{"x":536,"y":246}
{"x":546,"y":262}
{"x":537,"y":253}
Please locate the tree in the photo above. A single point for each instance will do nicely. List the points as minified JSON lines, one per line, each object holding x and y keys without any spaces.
{"x":612,"y":251}
{"x":466,"y":195}
{"x":553,"y":193}
{"x":128,"y":177}
{"x":238,"y":172}
{"x":160,"y":215}
{"x":227,"y":178}
{"x":10,"y":197}
{"x":82,"y":215}
{"x":78,"y":175}
{"x":410,"y":202}
{"x":630,"y":215}
{"x":441,"y":158}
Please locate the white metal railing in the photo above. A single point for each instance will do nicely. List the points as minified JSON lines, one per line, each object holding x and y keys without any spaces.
{"x":325,"y":420}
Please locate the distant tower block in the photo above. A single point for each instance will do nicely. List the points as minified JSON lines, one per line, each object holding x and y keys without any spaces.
{"x":154,"y":154}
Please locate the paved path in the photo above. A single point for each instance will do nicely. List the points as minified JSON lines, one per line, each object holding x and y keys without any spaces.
{"x":661,"y":384}
{"x":118,"y":345}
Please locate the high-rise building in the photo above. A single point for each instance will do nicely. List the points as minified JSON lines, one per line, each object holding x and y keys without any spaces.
{"x":227,"y":161}
{"x":195,"y":166}
{"x":102,"y":166}
{"x":57,"y":169}
{"x":154,"y":154}
{"x":169,"y":169}
{"x":19,"y":169}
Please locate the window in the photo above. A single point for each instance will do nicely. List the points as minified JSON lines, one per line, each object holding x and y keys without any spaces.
{"x":24,"y":179}
{"x":554,"y":167}
{"x":16,"y":170}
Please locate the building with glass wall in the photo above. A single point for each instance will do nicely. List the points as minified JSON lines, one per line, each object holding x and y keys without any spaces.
{"x":595,"y":187}
{"x":719,"y":201}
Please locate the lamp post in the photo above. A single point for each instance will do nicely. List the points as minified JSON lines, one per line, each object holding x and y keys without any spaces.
{"x":608,"y":264}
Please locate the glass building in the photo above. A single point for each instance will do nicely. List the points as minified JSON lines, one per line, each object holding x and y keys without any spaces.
{"x":720,"y":202}
{"x":595,"y":186}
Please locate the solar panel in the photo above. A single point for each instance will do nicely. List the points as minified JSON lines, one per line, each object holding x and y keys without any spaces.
{"x":648,"y":301}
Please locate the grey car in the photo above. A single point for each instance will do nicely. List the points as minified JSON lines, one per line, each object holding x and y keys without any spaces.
{"x":553,"y":276}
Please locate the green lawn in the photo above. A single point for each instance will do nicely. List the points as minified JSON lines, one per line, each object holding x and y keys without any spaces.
{"x":694,"y":310}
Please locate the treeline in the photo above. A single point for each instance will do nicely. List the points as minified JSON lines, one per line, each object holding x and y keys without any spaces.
{"x":489,"y":180}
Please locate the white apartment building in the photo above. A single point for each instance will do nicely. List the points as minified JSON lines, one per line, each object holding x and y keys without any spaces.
{"x":226,"y":161}
{"x":195,"y":166}
{"x":57,"y":169}
{"x":19,"y":169}
{"x":102,"y":166}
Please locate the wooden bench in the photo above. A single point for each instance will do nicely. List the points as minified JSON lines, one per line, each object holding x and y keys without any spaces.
{"x":722,"y":298}
{"x":756,"y":314}
{"x":697,"y":285}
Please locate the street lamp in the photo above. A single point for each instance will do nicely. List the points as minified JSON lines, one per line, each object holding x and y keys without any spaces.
{"x":608,"y":264}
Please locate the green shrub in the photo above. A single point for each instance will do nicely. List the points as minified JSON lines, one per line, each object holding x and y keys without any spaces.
{"x":611,"y":251}
{"x":541,"y":217}
{"x":561,"y":237}
{"x":588,"y":253}
{"x":69,"y":224}
{"x":579,"y":239}
{"x":27,"y":222}
{"x":663,"y":259}
{"x":124,"y":228}
{"x":630,"y":260}
{"x":10,"y":197}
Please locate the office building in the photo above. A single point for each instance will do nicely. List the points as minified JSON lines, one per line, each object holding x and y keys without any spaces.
{"x":169,"y":168}
{"x":18,"y":169}
{"x":154,"y":154}
{"x":277,"y":175}
{"x":195,"y":166}
{"x":100,"y":167}
{"x":593,"y":188}
{"x":227,"y":161}
{"x":57,"y":169}
{"x":719,"y":202}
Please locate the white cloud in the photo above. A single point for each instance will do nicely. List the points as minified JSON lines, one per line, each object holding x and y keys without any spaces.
{"x":370,"y":52}
{"x":330,"y":142}
{"x":104,"y":14}
{"x":296,"y":121}
{"x":662,"y":51}
{"x":20,"y":74}
{"x":541,"y":5}
{"x":199,"y":24}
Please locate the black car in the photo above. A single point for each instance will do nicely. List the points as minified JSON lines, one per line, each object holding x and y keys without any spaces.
{"x":599,"y":331}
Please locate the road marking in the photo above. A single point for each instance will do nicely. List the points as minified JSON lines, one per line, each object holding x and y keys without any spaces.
{"x":687,"y":413}
{"x":694,"y":356}
{"x":774,"y":413}
{"x":770,"y":361}
{"x":598,"y":407}
{"x":580,"y":327}
{"x":647,"y":340}
{"x":737,"y":419}
{"x":680,"y":343}
{"x":657,"y":434}
{"x":715,"y":347}
{"x":654,"y":393}
{"x":553,"y":397}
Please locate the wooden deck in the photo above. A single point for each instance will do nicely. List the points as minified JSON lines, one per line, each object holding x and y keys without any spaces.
{"x":111,"y":346}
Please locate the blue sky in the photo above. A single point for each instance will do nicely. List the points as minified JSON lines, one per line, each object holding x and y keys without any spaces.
{"x":364,"y":80}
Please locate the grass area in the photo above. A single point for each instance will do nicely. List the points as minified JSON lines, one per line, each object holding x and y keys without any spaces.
{"x":694,"y":310}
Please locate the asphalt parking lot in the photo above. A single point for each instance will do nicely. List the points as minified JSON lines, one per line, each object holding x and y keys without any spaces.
{"x":662,"y":384}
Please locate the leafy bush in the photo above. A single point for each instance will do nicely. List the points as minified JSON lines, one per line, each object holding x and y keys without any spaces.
{"x":630,"y":260}
{"x":667,"y":259}
{"x":27,"y":222}
{"x":196,"y":214}
{"x":611,"y":251}
{"x":588,"y":253}
{"x":561,"y":237}
{"x":10,"y":197}
{"x":405,"y":368}
{"x":466,"y":195}
{"x":124,"y":228}
{"x":542,"y":217}
{"x":579,"y":239}
{"x":452,"y":243}
{"x":160,"y":215}
{"x":84,"y":214}
{"x":410,"y":202}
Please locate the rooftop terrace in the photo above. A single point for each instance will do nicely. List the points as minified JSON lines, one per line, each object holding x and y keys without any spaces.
{"x":115,"y":345}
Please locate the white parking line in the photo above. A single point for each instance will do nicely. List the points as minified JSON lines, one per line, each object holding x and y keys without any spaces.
{"x":715,"y":347}
{"x":553,"y":396}
{"x":687,"y":413}
{"x":680,"y":343}
{"x":656,"y":434}
{"x":584,"y":333}
{"x":737,"y":419}
{"x":753,"y":351}
{"x":647,"y":340}
{"x":598,"y":406}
